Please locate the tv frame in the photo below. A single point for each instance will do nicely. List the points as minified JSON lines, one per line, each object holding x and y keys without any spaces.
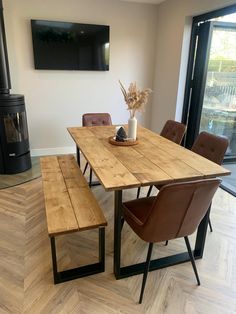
{"x":40,"y":67}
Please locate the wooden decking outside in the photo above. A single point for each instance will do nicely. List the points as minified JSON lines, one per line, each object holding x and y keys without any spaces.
{"x":26,"y":282}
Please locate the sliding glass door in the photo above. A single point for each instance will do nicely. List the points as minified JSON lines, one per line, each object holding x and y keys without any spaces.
{"x":213,"y":85}
{"x":218,"y":114}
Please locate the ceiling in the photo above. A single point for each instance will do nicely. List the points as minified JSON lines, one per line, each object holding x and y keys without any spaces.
{"x":145,"y":1}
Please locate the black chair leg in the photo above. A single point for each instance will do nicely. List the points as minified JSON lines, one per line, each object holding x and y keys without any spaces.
{"x":85,"y":168}
{"x":122,"y":222}
{"x":146,"y":271}
{"x":192,"y":259}
{"x":90,"y":177}
{"x":138,"y":192}
{"x":166,"y":243}
{"x":149,"y":190}
{"x":209,"y":223}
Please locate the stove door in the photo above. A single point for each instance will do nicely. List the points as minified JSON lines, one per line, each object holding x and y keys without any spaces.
{"x":14,"y":139}
{"x":15,"y":127}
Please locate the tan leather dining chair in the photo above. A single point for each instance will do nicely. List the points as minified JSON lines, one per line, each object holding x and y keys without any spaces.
{"x":174,"y":213}
{"x":95,"y":119}
{"x":173,"y":131}
{"x":212,"y":147}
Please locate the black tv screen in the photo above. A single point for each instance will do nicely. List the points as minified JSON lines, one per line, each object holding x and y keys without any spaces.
{"x":70,"y":46}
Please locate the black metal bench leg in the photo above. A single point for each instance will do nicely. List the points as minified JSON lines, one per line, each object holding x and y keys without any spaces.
{"x":54,"y":260}
{"x":102,"y":248}
{"x":82,"y":271}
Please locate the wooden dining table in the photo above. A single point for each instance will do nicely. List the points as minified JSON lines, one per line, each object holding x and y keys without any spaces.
{"x":154,"y":160}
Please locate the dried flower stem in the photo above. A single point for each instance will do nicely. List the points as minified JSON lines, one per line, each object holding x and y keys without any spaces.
{"x":135,"y":99}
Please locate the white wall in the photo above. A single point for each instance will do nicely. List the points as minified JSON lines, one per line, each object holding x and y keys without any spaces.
{"x":57,"y":99}
{"x":174,"y":19}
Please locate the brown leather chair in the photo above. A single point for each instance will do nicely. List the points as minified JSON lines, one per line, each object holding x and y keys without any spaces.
{"x":212,"y":147}
{"x":95,"y":119}
{"x":174,"y":213}
{"x":173,"y":131}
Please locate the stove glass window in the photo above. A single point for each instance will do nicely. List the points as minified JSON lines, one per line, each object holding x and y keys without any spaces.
{"x":15,"y":127}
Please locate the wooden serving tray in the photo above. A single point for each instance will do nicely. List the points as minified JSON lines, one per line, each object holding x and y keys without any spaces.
{"x":112,"y":141}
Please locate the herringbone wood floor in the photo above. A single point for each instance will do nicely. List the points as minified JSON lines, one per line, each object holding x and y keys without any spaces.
{"x":26,"y":284}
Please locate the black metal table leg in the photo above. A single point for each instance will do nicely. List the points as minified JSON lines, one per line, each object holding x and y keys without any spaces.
{"x":94,"y":183}
{"x":78,"y":155}
{"x":138,"y":191}
{"x":149,"y":190}
{"x":117,"y":232}
{"x":90,"y":177}
{"x":201,"y":236}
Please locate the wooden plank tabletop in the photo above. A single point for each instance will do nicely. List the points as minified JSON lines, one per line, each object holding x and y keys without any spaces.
{"x":154,"y":160}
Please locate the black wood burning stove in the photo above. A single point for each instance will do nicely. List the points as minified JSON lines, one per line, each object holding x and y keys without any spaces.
{"x":14,"y":140}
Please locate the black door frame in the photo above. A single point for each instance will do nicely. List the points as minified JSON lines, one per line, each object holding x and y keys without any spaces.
{"x":189,"y":78}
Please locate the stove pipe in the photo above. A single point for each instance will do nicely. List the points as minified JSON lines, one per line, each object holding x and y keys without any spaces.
{"x":5,"y":82}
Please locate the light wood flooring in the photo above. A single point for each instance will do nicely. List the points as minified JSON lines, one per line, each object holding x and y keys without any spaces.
{"x":26,"y":283}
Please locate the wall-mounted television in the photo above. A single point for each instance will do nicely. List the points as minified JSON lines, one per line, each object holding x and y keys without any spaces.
{"x":70,"y":46}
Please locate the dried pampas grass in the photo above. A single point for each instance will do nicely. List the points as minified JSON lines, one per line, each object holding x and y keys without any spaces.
{"x":135,"y":99}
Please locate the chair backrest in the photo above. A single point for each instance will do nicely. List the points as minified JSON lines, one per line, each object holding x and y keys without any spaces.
{"x":96,"y":119}
{"x":173,"y":131}
{"x":178,"y":209}
{"x":211,"y":146}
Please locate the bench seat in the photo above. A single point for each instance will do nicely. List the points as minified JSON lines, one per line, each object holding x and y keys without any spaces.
{"x":70,"y":207}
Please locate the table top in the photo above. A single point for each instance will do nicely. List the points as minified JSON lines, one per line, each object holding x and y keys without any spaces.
{"x":154,"y":160}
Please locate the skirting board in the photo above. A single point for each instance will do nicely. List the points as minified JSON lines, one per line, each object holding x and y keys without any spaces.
{"x":53,"y":151}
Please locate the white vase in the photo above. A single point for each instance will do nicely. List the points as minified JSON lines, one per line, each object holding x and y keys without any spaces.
{"x":132,"y":128}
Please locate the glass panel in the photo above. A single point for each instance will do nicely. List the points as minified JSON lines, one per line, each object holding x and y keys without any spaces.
{"x":226,"y":18}
{"x":219,"y":105}
{"x":15,"y":127}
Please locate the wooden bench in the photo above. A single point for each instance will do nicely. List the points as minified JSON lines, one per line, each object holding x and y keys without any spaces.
{"x":70,"y":207}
